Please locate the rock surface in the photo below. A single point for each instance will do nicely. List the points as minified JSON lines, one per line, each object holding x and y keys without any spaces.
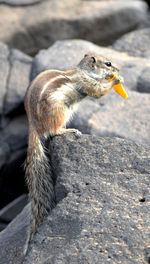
{"x":135,"y":43}
{"x":112,"y":116}
{"x":105,"y":215}
{"x":13,"y":143}
{"x":4,"y":70}
{"x":68,"y":19}
{"x":11,"y":210}
{"x":13,"y":137}
{"x":14,"y":72}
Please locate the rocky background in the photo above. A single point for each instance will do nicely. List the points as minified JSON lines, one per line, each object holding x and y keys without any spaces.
{"x":103,"y":178}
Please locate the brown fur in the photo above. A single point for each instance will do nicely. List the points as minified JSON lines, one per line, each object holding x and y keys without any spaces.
{"x":49,"y":102}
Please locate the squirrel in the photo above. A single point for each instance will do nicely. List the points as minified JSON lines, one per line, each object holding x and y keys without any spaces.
{"x":50,"y":101}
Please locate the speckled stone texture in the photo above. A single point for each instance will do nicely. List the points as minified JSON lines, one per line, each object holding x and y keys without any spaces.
{"x":104,"y":216}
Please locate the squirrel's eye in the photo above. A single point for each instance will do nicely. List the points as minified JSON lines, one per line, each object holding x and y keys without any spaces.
{"x":108,"y":64}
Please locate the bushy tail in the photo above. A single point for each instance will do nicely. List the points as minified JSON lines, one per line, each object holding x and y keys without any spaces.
{"x":40,"y":184}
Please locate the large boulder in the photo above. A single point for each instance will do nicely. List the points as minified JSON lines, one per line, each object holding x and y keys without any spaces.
{"x":33,"y":27}
{"x":13,"y":144}
{"x":135,"y":43}
{"x":13,"y":137}
{"x":15,"y":69}
{"x":112,"y":116}
{"x":104,"y":216}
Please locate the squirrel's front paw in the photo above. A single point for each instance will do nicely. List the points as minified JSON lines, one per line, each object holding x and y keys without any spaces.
{"x":77,"y":132}
{"x":118,"y":79}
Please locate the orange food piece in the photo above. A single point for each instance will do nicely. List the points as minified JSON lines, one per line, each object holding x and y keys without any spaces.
{"x":119,"y":88}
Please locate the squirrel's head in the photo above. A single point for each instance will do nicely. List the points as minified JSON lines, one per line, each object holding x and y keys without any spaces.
{"x":98,"y":67}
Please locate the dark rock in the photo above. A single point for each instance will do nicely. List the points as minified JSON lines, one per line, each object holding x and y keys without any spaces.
{"x":148,"y":1}
{"x":11,"y":210}
{"x":20,"y":2}
{"x":20,"y":66}
{"x":12,"y":181}
{"x":2,"y":226}
{"x":105,"y":215}
{"x":136,"y":43}
{"x":4,"y":71}
{"x":15,"y":134}
{"x":147,"y":254}
{"x":4,"y":153}
{"x":13,"y":140}
{"x":96,"y":21}
{"x":12,"y":243}
{"x":14,"y":71}
{"x":143,"y":84}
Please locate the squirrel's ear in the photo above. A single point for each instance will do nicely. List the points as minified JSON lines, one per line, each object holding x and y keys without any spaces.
{"x":85,"y":55}
{"x":93,"y":59}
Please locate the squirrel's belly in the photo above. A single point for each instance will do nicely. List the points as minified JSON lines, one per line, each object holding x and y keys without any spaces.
{"x":70,"y":111}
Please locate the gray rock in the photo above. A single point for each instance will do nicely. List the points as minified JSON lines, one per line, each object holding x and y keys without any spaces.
{"x":136,"y":43}
{"x":12,"y":182}
{"x":96,"y":21}
{"x":12,"y":138}
{"x":105,"y":215}
{"x":11,"y":210}
{"x":15,"y":73}
{"x":20,"y":2}
{"x":13,"y":144}
{"x":15,"y":134}
{"x":4,"y":154}
{"x":19,"y":75}
{"x":113,"y":116}
{"x":70,"y":52}
{"x":143,"y":84}
{"x":4,"y":71}
{"x":12,"y":241}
